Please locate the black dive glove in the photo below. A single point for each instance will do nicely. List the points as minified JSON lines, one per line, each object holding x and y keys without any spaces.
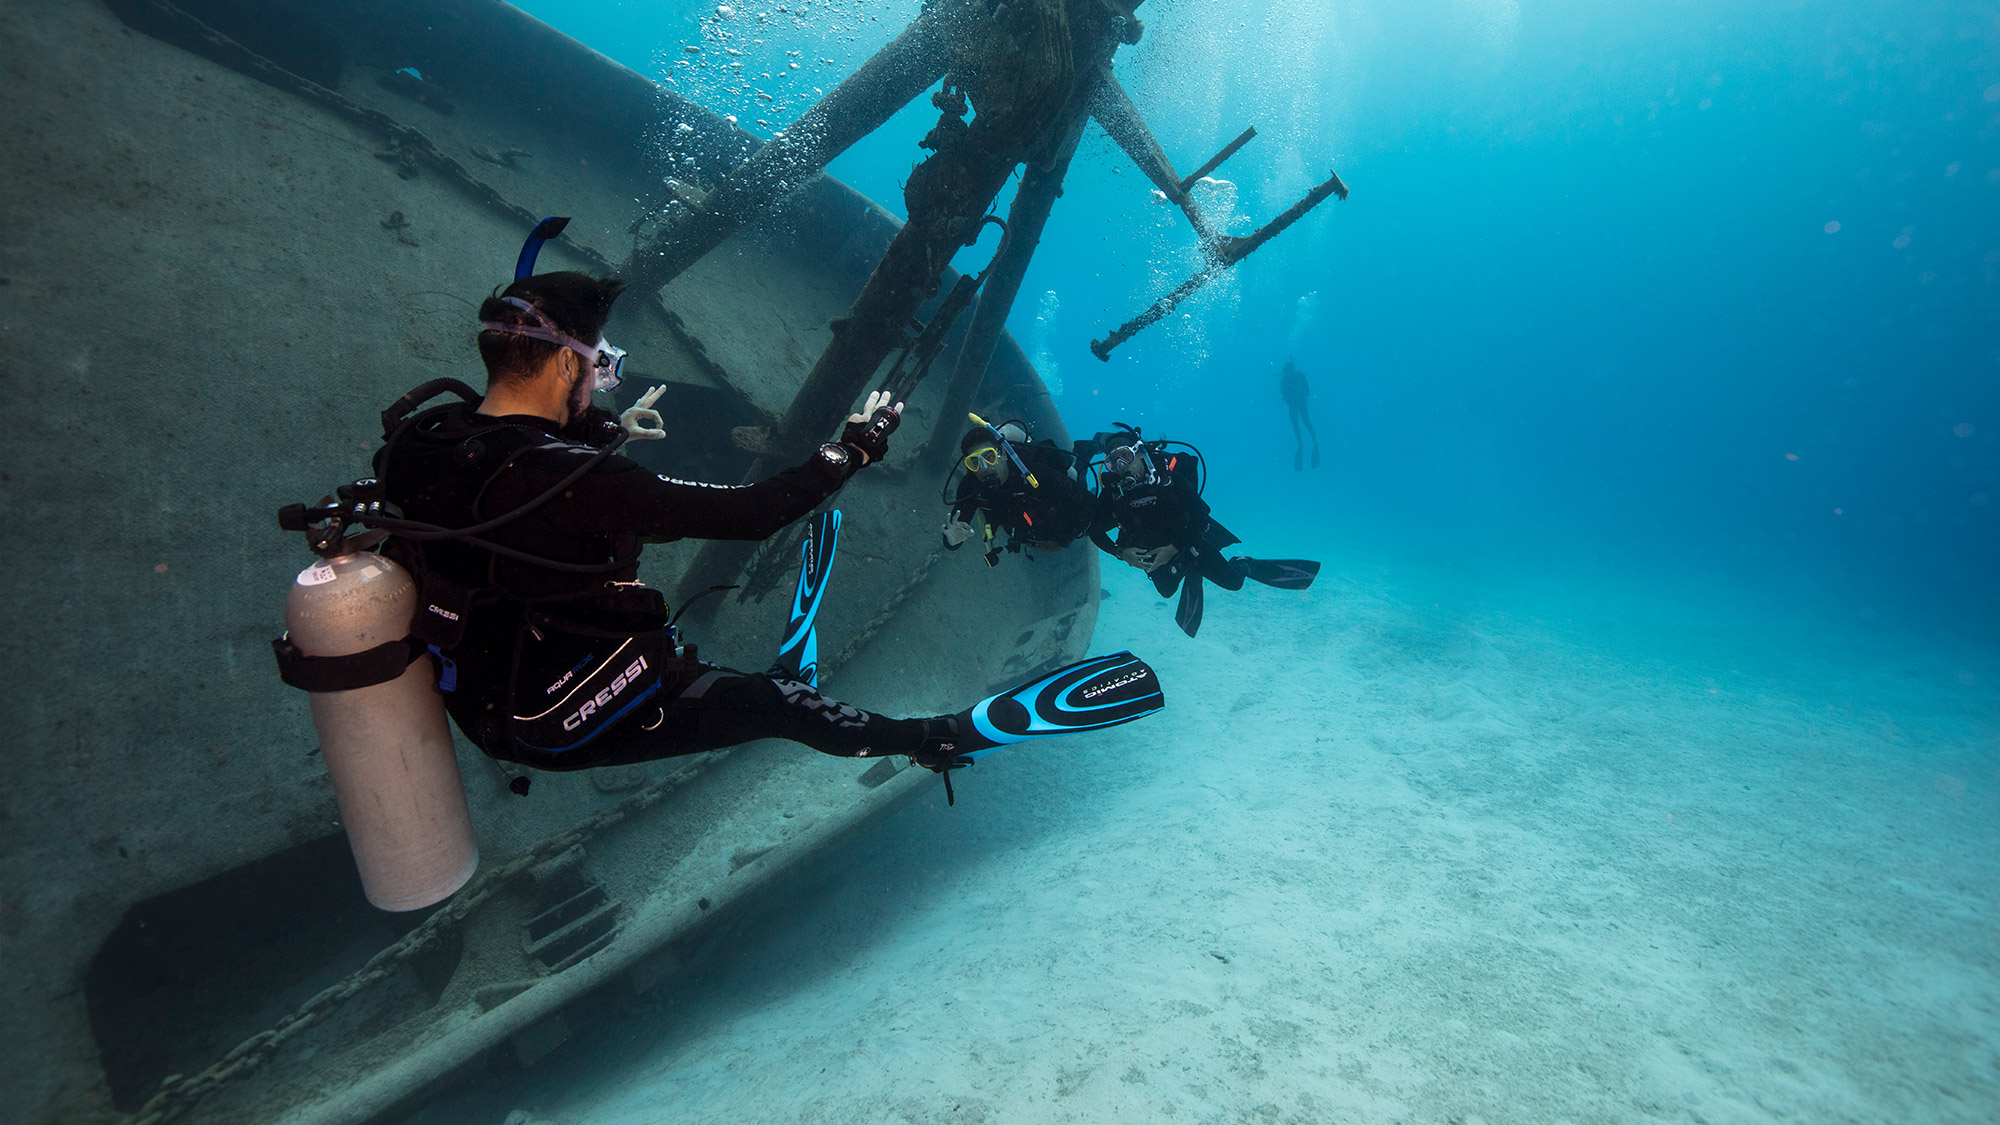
{"x":869,"y":430}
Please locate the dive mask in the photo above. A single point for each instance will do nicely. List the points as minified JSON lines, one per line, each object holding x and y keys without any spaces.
{"x":984,"y":457}
{"x":609,"y":365}
{"x":1130,"y":462}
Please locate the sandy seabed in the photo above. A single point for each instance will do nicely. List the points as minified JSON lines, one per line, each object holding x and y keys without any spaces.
{"x":1397,"y":851}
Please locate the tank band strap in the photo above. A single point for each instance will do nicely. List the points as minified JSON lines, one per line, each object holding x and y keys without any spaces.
{"x":373,"y":666}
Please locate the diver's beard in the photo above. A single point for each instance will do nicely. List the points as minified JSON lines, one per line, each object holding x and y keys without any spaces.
{"x":579,"y":400}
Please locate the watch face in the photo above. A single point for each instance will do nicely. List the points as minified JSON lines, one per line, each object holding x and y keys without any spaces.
{"x":834,"y":454}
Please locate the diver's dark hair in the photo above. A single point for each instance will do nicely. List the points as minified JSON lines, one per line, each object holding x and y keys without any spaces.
{"x":578,"y":303}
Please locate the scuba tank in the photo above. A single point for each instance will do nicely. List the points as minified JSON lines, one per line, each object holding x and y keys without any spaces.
{"x":381,"y":721}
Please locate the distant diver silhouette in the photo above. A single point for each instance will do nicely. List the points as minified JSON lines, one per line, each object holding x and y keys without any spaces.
{"x":1293,"y":389}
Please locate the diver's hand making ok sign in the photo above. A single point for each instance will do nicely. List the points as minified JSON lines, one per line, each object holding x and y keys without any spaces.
{"x":641,"y":421}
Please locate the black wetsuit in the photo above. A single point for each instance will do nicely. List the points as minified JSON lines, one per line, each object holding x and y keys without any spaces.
{"x":563,"y":670}
{"x":1047,"y":518}
{"x":1168,"y":513}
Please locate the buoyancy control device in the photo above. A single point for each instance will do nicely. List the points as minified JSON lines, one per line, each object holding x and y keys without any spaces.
{"x":362,"y":632}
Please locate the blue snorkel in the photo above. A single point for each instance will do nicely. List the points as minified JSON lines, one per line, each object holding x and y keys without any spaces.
{"x":548,"y":228}
{"x":1006,"y":447}
{"x":606,"y":361}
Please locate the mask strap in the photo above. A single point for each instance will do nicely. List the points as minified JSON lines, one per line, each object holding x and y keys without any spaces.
{"x":602,"y":362}
{"x":544,"y":330}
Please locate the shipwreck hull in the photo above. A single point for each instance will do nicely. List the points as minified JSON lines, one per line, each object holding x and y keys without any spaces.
{"x":227,"y":246}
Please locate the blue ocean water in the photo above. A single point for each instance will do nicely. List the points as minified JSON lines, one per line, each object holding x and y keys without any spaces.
{"x":1699,"y":289}
{"x":1636,"y":756}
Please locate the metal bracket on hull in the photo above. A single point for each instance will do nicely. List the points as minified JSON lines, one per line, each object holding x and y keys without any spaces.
{"x":1026,"y":71}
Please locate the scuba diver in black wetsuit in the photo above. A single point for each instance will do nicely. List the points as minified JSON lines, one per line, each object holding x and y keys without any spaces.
{"x":523,"y":529}
{"x":551,"y":625}
{"x":1028,"y":489}
{"x":1150,"y":494}
{"x":1292,"y":387}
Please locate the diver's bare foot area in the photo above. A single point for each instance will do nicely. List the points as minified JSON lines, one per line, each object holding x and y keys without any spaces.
{"x":1519,"y":858}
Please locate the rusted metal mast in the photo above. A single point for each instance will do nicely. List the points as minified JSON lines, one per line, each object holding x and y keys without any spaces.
{"x":1027,"y":216}
{"x":1030,"y":72}
{"x":857,"y":107}
{"x":1222,"y":254}
{"x":1114,"y":110}
{"x":1019,"y":72}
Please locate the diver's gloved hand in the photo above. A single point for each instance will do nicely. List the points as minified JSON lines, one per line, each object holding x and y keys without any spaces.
{"x":1149,"y":560}
{"x":956,"y":532}
{"x":869,"y":430}
{"x":641,"y":421}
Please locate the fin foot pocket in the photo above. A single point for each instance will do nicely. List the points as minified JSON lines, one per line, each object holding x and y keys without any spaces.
{"x":940,"y":751}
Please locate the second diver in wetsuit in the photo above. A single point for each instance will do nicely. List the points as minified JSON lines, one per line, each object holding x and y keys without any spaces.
{"x":1029,"y":490}
{"x":1150,"y":495}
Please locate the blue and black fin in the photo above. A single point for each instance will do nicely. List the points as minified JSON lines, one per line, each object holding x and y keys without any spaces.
{"x":1285,"y":574}
{"x":798,"y":653}
{"x":1102,"y":691}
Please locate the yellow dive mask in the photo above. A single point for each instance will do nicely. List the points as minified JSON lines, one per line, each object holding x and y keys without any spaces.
{"x":985,"y":457}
